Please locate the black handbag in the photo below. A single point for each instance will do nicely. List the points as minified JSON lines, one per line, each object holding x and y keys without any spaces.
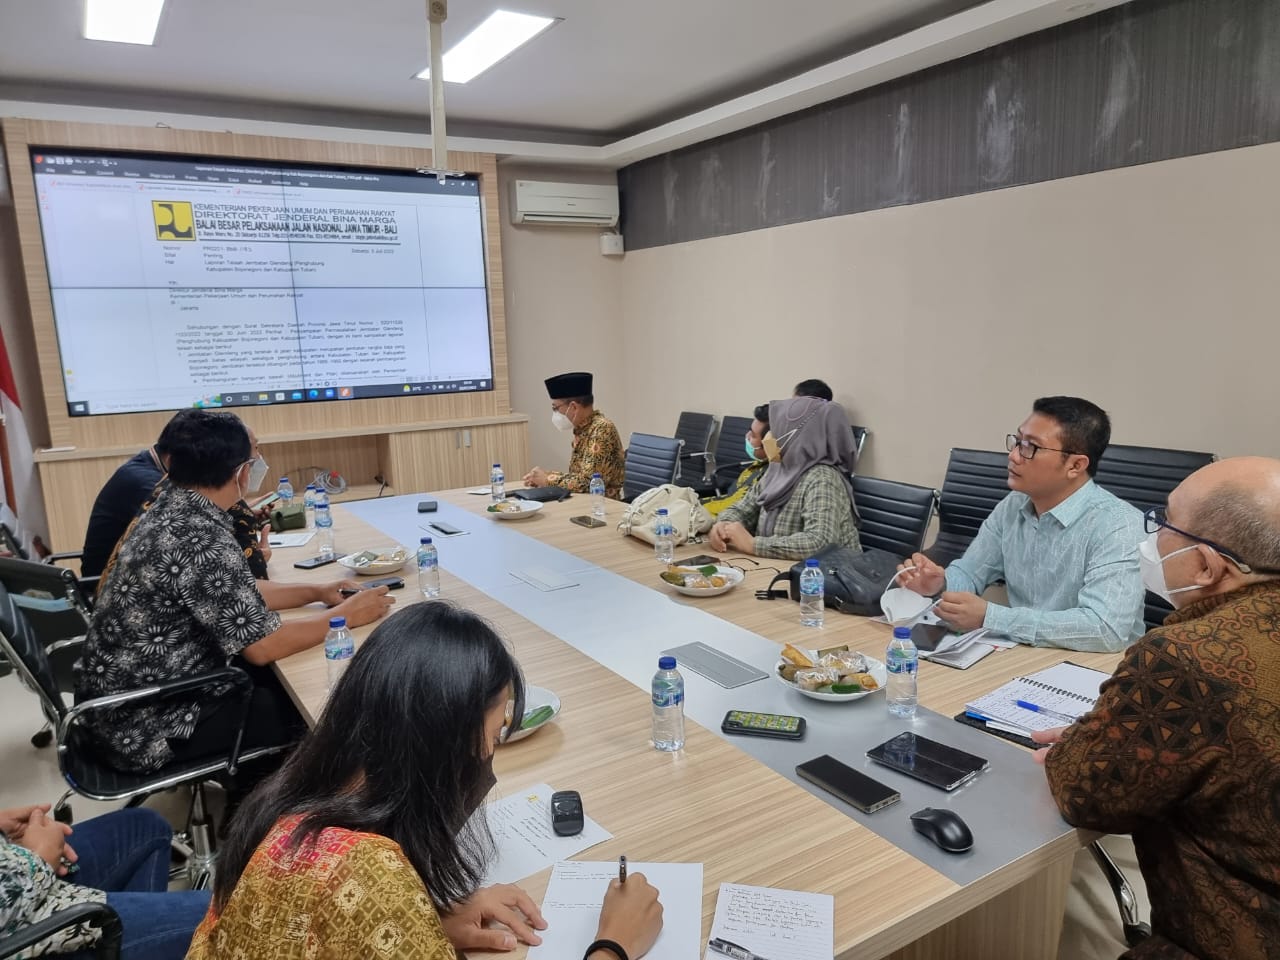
{"x":541,"y":494}
{"x":853,"y":580}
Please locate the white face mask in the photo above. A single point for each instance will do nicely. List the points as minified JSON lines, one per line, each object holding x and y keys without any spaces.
{"x":560,"y":421}
{"x":901,"y":605}
{"x":1152,"y":566}
{"x":257,"y":473}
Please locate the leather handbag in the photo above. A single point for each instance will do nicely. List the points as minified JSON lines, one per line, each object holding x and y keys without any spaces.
{"x":853,"y":580}
{"x":292,"y":517}
{"x":689,"y":518}
{"x":540,"y":494}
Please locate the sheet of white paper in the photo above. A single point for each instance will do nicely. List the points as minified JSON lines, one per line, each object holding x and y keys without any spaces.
{"x":521,"y":827}
{"x":290,"y":539}
{"x":480,"y":491}
{"x":571,"y":908}
{"x":773,"y":924}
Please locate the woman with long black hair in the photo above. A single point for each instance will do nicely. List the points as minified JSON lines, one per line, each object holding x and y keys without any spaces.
{"x":363,"y":844}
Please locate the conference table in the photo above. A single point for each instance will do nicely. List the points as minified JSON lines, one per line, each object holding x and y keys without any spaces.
{"x":587,"y":615}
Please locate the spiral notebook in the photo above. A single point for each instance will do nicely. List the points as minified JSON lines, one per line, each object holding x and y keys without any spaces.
{"x":1060,"y":695}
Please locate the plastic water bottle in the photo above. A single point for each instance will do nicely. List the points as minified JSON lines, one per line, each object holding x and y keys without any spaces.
{"x":664,"y":540}
{"x":497,"y":483}
{"x":324,"y":531}
{"x":428,"y":569}
{"x":902,"y":661}
{"x":322,"y":495}
{"x":668,"y":706}
{"x":597,"y":496}
{"x":339,"y":648}
{"x":285,"y":490}
{"x":309,"y":505}
{"x":812,"y":590}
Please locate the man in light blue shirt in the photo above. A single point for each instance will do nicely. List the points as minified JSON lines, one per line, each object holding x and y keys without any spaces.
{"x":1066,"y":548}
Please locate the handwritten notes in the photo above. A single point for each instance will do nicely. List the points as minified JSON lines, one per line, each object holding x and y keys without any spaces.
{"x":767,"y":924}
{"x":521,"y":828}
{"x":571,"y":908}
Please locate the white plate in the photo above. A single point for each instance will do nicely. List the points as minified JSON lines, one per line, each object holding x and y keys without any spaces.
{"x":535,"y":697}
{"x":377,"y":568}
{"x":874,"y":667}
{"x":734,"y":575}
{"x":527,"y":509}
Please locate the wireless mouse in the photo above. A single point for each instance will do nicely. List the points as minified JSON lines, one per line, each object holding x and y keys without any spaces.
{"x":944,"y":828}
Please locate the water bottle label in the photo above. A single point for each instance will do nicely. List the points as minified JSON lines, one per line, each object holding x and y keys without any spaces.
{"x":901,"y":664}
{"x":668,"y":698}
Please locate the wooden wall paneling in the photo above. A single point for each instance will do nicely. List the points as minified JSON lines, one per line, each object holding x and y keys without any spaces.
{"x":94,"y":433}
{"x":70,"y":487}
{"x":356,"y":458}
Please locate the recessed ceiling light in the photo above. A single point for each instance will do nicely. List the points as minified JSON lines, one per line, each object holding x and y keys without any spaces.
{"x":122,"y":21}
{"x":1080,"y":7}
{"x":495,"y":39}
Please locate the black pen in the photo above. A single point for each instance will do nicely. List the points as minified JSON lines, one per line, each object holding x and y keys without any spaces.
{"x":622,"y":869}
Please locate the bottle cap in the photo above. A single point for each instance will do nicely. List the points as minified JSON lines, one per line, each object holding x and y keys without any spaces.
{"x":902,"y":633}
{"x":497,"y":466}
{"x":336,"y":622}
{"x":425,"y":541}
{"x":662,"y":511}
{"x":284,"y":479}
{"x":666,"y":663}
{"x":595,"y":476}
{"x":811,"y":562}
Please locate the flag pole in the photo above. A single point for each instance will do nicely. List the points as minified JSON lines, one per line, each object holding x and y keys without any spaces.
{"x":9,"y":496}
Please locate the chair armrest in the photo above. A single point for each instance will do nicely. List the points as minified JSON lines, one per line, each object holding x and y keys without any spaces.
{"x":94,"y":914}
{"x":69,"y":642}
{"x":232,"y":675}
{"x":65,"y":555}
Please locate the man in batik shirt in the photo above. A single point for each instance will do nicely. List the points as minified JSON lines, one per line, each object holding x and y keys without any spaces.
{"x":597,"y":448}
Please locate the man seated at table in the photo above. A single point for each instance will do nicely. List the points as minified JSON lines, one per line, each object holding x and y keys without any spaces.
{"x":804,"y":501}
{"x":597,"y":448}
{"x":119,"y":501}
{"x":181,"y":600}
{"x":754,"y":469}
{"x":1066,"y":548}
{"x":1182,"y":749}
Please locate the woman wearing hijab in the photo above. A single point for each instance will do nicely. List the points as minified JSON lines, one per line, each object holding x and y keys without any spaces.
{"x":804,"y":502}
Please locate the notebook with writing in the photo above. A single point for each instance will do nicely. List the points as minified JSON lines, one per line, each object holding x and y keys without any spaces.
{"x":1054,"y":697}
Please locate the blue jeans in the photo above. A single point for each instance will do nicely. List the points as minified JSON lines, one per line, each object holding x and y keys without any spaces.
{"x":126,"y":853}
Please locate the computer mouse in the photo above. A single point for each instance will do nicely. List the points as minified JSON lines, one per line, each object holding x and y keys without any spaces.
{"x":944,"y":828}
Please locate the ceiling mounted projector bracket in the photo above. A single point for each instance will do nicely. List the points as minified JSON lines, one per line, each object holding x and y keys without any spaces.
{"x":437,"y":13}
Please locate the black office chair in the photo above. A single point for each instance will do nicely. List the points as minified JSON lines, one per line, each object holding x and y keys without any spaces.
{"x":895,"y":516}
{"x":1144,"y":477}
{"x":86,"y":775}
{"x":694,"y":431}
{"x":58,"y":609}
{"x":651,"y":461}
{"x":730,"y":454}
{"x":975,"y":482}
{"x":90,"y":914}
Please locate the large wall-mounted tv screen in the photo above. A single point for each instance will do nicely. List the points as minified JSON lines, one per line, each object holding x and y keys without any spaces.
{"x":180,"y":281}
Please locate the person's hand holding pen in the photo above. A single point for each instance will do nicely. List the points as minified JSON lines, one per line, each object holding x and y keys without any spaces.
{"x":630,"y":917}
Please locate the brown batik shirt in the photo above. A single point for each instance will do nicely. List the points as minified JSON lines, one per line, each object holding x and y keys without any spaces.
{"x":597,"y":448}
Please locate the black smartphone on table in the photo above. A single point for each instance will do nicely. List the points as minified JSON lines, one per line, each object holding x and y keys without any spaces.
{"x":567,"y":818}
{"x":312,"y":562}
{"x":927,"y":636}
{"x":428,"y":506}
{"x":391,"y":583}
{"x":445,"y":529}
{"x":701,"y":560}
{"x":746,"y":723}
{"x":589,"y":522}
{"x":850,"y":785}
{"x":928,"y":760}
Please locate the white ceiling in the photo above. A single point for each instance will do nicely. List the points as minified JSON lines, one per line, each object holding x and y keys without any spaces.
{"x":611,"y":69}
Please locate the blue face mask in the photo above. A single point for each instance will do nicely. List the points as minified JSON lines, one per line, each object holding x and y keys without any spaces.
{"x":751,"y":451}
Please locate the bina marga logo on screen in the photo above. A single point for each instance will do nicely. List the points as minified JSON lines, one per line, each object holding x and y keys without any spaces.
{"x":173,"y":219}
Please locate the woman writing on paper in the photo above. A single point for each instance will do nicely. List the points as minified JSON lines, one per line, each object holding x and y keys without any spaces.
{"x":363,"y":844}
{"x":804,"y":501}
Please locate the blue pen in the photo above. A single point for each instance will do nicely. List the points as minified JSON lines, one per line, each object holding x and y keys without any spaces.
{"x":1036,"y":708}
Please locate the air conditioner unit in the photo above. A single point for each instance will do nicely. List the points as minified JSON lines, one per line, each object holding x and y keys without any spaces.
{"x":587,"y":204}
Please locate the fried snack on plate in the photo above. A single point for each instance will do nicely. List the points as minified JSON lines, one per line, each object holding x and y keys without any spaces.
{"x":796,"y":656}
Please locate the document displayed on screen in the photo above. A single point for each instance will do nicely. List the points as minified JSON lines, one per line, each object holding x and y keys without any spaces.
{"x":179,"y":282}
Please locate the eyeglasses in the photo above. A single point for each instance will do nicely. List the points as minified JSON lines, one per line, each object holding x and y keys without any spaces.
{"x":1155,"y":518}
{"x":1028,"y":450}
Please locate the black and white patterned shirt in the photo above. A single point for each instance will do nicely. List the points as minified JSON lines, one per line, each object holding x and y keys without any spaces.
{"x":180,"y":601}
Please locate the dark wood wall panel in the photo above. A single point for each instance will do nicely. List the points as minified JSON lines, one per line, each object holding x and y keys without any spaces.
{"x":1143,"y":82}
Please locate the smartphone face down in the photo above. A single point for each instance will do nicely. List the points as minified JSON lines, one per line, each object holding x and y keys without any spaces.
{"x":928,"y":760}
{"x":850,"y":785}
{"x":589,"y":522}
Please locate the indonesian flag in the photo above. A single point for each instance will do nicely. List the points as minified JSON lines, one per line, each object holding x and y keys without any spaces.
{"x":22,"y":497}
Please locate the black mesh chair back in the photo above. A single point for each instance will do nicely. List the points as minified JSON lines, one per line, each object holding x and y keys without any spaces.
{"x":51,"y":596}
{"x":694,"y":431}
{"x":9,"y":545}
{"x":651,"y":462}
{"x":975,"y":482}
{"x":731,"y":453}
{"x":22,"y":647}
{"x":895,"y":516}
{"x":1144,"y":477}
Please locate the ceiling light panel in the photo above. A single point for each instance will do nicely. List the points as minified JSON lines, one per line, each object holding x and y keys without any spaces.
{"x":495,"y":39}
{"x":122,"y":21}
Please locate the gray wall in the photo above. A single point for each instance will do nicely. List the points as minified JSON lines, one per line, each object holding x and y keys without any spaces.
{"x":1139,"y":83}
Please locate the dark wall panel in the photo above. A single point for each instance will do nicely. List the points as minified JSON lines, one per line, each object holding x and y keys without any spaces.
{"x":1143,"y":82}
